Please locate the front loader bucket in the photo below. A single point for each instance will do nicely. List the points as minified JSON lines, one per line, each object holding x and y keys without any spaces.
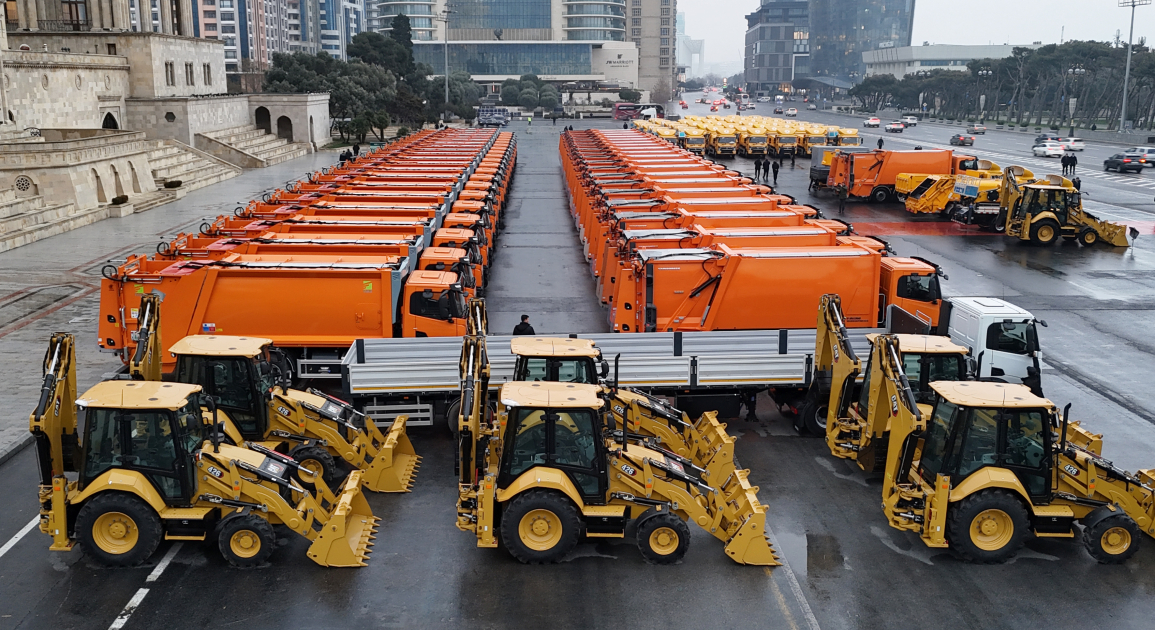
{"x":394,"y":463}
{"x":345,"y":539}
{"x":749,"y":544}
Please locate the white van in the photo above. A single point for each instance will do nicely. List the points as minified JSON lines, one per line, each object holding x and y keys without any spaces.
{"x":1002,"y":338}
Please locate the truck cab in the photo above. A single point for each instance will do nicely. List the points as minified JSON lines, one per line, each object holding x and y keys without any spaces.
{"x":1002,"y":338}
{"x":434,"y":305}
{"x":912,"y":285}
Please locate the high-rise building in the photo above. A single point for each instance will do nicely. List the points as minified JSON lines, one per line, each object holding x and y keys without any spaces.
{"x":777,"y":46}
{"x":652,"y":30}
{"x":691,"y":52}
{"x":841,"y":30}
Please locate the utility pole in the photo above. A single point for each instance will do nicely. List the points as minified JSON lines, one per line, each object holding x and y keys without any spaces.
{"x":1127,"y":72}
{"x":445,"y":18}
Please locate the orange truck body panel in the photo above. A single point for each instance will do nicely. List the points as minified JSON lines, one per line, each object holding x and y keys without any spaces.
{"x":861,"y":173}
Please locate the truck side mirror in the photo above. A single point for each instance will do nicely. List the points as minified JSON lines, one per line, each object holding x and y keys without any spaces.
{"x":443,"y":306}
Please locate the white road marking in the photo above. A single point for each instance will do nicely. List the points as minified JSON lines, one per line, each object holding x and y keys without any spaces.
{"x":795,"y":587}
{"x":136,"y":600}
{"x":20,"y":534}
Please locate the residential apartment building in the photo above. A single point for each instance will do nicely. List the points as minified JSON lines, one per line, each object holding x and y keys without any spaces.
{"x":777,"y":46}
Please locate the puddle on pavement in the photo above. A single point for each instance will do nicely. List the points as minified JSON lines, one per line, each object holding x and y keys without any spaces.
{"x":816,"y":555}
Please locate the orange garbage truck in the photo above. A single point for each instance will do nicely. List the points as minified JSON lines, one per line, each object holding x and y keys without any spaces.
{"x":872,"y":175}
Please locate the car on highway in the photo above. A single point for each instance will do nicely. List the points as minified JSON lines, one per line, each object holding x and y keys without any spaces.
{"x":910,"y":121}
{"x":1049,"y":148}
{"x":777,"y":110}
{"x":763,"y":99}
{"x":684,"y":105}
{"x":792,"y":112}
{"x":725,"y":103}
{"x":976,"y":129}
{"x":1148,"y":154}
{"x":961,"y":140}
{"x":812,"y":106}
{"x":894,"y":127}
{"x":1123,"y":162}
{"x":1044,"y":137}
{"x":1073,"y":144}
{"x":872,"y":122}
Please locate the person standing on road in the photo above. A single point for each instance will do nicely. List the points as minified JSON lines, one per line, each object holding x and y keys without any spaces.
{"x":524,"y":328}
{"x":775,"y":167}
{"x":1074,"y":161}
{"x":880,"y":144}
{"x":1065,"y":160}
{"x":757,"y":167}
{"x":792,"y":160}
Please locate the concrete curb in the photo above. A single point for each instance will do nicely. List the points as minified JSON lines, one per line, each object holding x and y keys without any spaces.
{"x":12,"y":450}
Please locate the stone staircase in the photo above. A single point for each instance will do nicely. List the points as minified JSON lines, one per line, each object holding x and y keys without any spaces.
{"x":24,"y":220}
{"x":259,"y":143}
{"x":172,"y":160}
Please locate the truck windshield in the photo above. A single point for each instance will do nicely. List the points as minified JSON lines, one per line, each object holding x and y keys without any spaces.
{"x":851,"y":142}
{"x":695,"y":141}
{"x":969,"y":165}
{"x":789,"y":140}
{"x":1014,"y":337}
{"x":923,"y":288}
{"x":562,"y":370}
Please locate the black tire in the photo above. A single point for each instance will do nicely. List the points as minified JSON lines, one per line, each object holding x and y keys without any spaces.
{"x":965,"y":523}
{"x":1106,"y":169}
{"x":880,"y":194}
{"x":1045,"y":232}
{"x":451,"y":412}
{"x":1088,"y":237}
{"x":131,"y":529}
{"x":663,"y":539}
{"x":314,"y":457}
{"x":812,"y":418}
{"x":246,"y":540}
{"x":1112,"y":540}
{"x":540,"y":547}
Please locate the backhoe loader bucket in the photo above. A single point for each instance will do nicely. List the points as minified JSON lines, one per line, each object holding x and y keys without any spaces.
{"x":749,"y":544}
{"x":345,"y":539}
{"x":394,"y":463}
{"x":715,"y":450}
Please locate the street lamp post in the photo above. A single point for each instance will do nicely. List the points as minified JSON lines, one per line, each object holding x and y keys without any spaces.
{"x":984,"y":76}
{"x":444,"y":17}
{"x":1076,"y":72}
{"x":1127,"y":72}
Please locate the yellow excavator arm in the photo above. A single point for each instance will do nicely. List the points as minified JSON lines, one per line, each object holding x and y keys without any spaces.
{"x":53,"y":422}
{"x":145,"y":364}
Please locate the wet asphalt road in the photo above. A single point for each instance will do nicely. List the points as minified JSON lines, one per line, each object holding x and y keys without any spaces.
{"x":850,"y":569}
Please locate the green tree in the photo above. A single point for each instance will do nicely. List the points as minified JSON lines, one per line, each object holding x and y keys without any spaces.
{"x":528,"y":99}
{"x":357,"y":91}
{"x":375,"y":48}
{"x":402,"y":32}
{"x":547,"y":101}
{"x":630,"y":96}
{"x":531,"y":78}
{"x":874,"y":90}
{"x":510,"y":95}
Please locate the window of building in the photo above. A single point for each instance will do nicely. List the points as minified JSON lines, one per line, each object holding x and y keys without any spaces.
{"x":665,"y":41}
{"x":635,"y":12}
{"x":169,"y":73}
{"x":211,"y":27}
{"x":208,"y":72}
{"x":665,"y":21}
{"x":636,"y":3}
{"x":665,"y":31}
{"x":665,"y":51}
{"x":635,"y":21}
{"x":189,"y":77}
{"x":230,"y":41}
{"x":228,"y":28}
{"x":111,"y":49}
{"x":212,"y":15}
{"x":230,"y":54}
{"x":226,"y":4}
{"x":665,"y":2}
{"x":228,"y":16}
{"x":665,"y":11}
{"x":155,"y":17}
{"x":230,"y":67}
{"x":637,"y":42}
{"x":665,"y":61}
{"x":637,"y":32}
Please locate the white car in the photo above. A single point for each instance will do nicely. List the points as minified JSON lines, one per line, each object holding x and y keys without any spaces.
{"x":1073,"y":144}
{"x":894,"y":127}
{"x":1048,"y":149}
{"x":1148,"y":154}
{"x":763,"y":99}
{"x":812,"y":106}
{"x":872,"y":122}
{"x":792,"y":112}
{"x":910,"y":121}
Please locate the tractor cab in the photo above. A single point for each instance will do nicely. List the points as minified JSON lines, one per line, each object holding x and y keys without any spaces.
{"x":557,"y":359}
{"x":556,"y":427}
{"x":978,"y":425}
{"x":925,"y":359}
{"x":151,"y":428}
{"x":240,"y":373}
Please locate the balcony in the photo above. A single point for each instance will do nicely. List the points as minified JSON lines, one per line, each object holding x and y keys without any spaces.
{"x":54,"y":26}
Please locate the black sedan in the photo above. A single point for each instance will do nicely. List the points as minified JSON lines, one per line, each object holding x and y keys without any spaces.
{"x":1123,"y":162}
{"x":961,"y":140}
{"x":777,"y":110}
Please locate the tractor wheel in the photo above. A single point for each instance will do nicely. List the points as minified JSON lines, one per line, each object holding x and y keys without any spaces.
{"x":812,"y":418}
{"x":318,"y":460}
{"x":246,"y":540}
{"x":1088,"y":237}
{"x":118,"y":529}
{"x":1112,"y":540}
{"x":987,"y":527}
{"x":663,"y":539}
{"x":879,"y":195}
{"x":540,"y":527}
{"x":1045,"y":232}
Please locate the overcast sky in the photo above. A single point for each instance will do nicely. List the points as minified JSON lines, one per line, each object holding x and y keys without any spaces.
{"x":722,"y":22}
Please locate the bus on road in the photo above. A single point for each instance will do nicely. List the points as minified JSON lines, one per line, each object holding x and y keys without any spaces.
{"x":630,"y":111}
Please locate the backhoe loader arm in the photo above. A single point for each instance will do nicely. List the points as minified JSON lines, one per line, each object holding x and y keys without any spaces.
{"x":832,"y":339}
{"x":53,"y":422}
{"x":478,"y":445}
{"x":145,"y":364}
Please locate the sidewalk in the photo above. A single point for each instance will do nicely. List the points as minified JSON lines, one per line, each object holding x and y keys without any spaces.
{"x":52,"y":285}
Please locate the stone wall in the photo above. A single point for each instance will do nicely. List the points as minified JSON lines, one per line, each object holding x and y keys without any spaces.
{"x":308,"y":115}
{"x":148,"y":55}
{"x":64,"y":89}
{"x":85,"y":171}
{"x":189,"y":116}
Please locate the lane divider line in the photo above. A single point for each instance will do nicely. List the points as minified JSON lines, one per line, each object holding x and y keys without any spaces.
{"x":20,"y":534}
{"x":795,"y":587}
{"x":142,"y":592}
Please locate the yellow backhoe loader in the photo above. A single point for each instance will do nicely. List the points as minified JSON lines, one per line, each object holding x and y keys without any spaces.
{"x":150,"y":468}
{"x":858,"y":414}
{"x":250,"y":378}
{"x":992,"y":463}
{"x":546,"y":468}
{"x":1043,"y":210}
